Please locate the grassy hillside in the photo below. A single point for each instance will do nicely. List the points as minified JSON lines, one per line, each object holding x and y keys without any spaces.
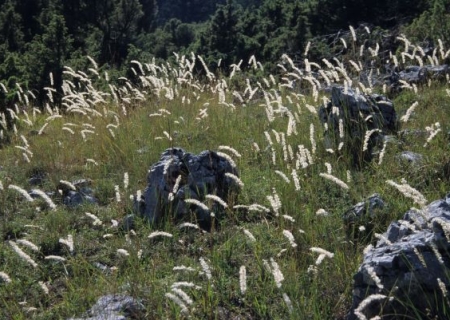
{"x":112,"y":130}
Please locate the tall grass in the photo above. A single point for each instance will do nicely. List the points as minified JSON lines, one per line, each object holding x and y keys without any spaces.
{"x":276,"y":255}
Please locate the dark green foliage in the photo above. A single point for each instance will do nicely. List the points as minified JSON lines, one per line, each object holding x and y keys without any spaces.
{"x":39,"y":37}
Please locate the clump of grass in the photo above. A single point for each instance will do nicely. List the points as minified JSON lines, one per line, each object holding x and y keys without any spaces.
{"x":281,"y":249}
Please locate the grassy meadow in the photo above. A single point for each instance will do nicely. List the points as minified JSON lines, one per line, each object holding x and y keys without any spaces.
{"x":283,"y":250}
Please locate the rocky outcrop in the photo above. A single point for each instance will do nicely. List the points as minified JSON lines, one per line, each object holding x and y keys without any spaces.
{"x":179,"y":176}
{"x":114,"y":307}
{"x":409,"y":266}
{"x":360,"y":114}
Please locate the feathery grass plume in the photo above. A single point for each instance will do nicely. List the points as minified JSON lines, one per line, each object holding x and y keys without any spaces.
{"x":409,"y":192}
{"x":217,"y":199}
{"x":353,"y":33}
{"x":243,"y":279}
{"x":283,"y":176}
{"x":1,"y":185}
{"x":46,"y":198}
{"x":288,"y":217}
{"x":232,"y":150}
{"x":126,"y":180}
{"x":290,"y":237}
{"x":288,"y":302}
{"x":184,"y":268}
{"x":382,"y":152}
{"x":23,"y":192}
{"x":41,"y":130}
{"x":117,"y":190}
{"x":434,"y":129}
{"x":183,"y":295}
{"x":322,"y":212}
{"x":185,"y":284}
{"x":5,"y":277}
{"x":68,"y":184}
{"x":322,"y":251}
{"x":276,"y":272}
{"x":22,"y":254}
{"x":68,"y":242}
{"x":56,"y":258}
{"x":442,"y":287}
{"x":367,"y":137}
{"x":338,"y":181}
{"x":188,"y":225}
{"x":197,"y":203}
{"x":308,"y":45}
{"x":436,"y":252}
{"x":177,"y":300}
{"x":311,"y":138}
{"x":363,"y":304}
{"x":373,"y":275}
{"x":227,"y":157}
{"x":296,"y":179}
{"x":420,"y":256}
{"x":96,"y":220}
{"x":43,"y":287}
{"x":275,"y":202}
{"x":160,"y":234}
{"x":329,"y":168}
{"x":249,"y":235}
{"x":344,"y":43}
{"x":235,"y":179}
{"x":205,"y":267}
{"x":123,"y":252}
{"x":28,"y":244}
